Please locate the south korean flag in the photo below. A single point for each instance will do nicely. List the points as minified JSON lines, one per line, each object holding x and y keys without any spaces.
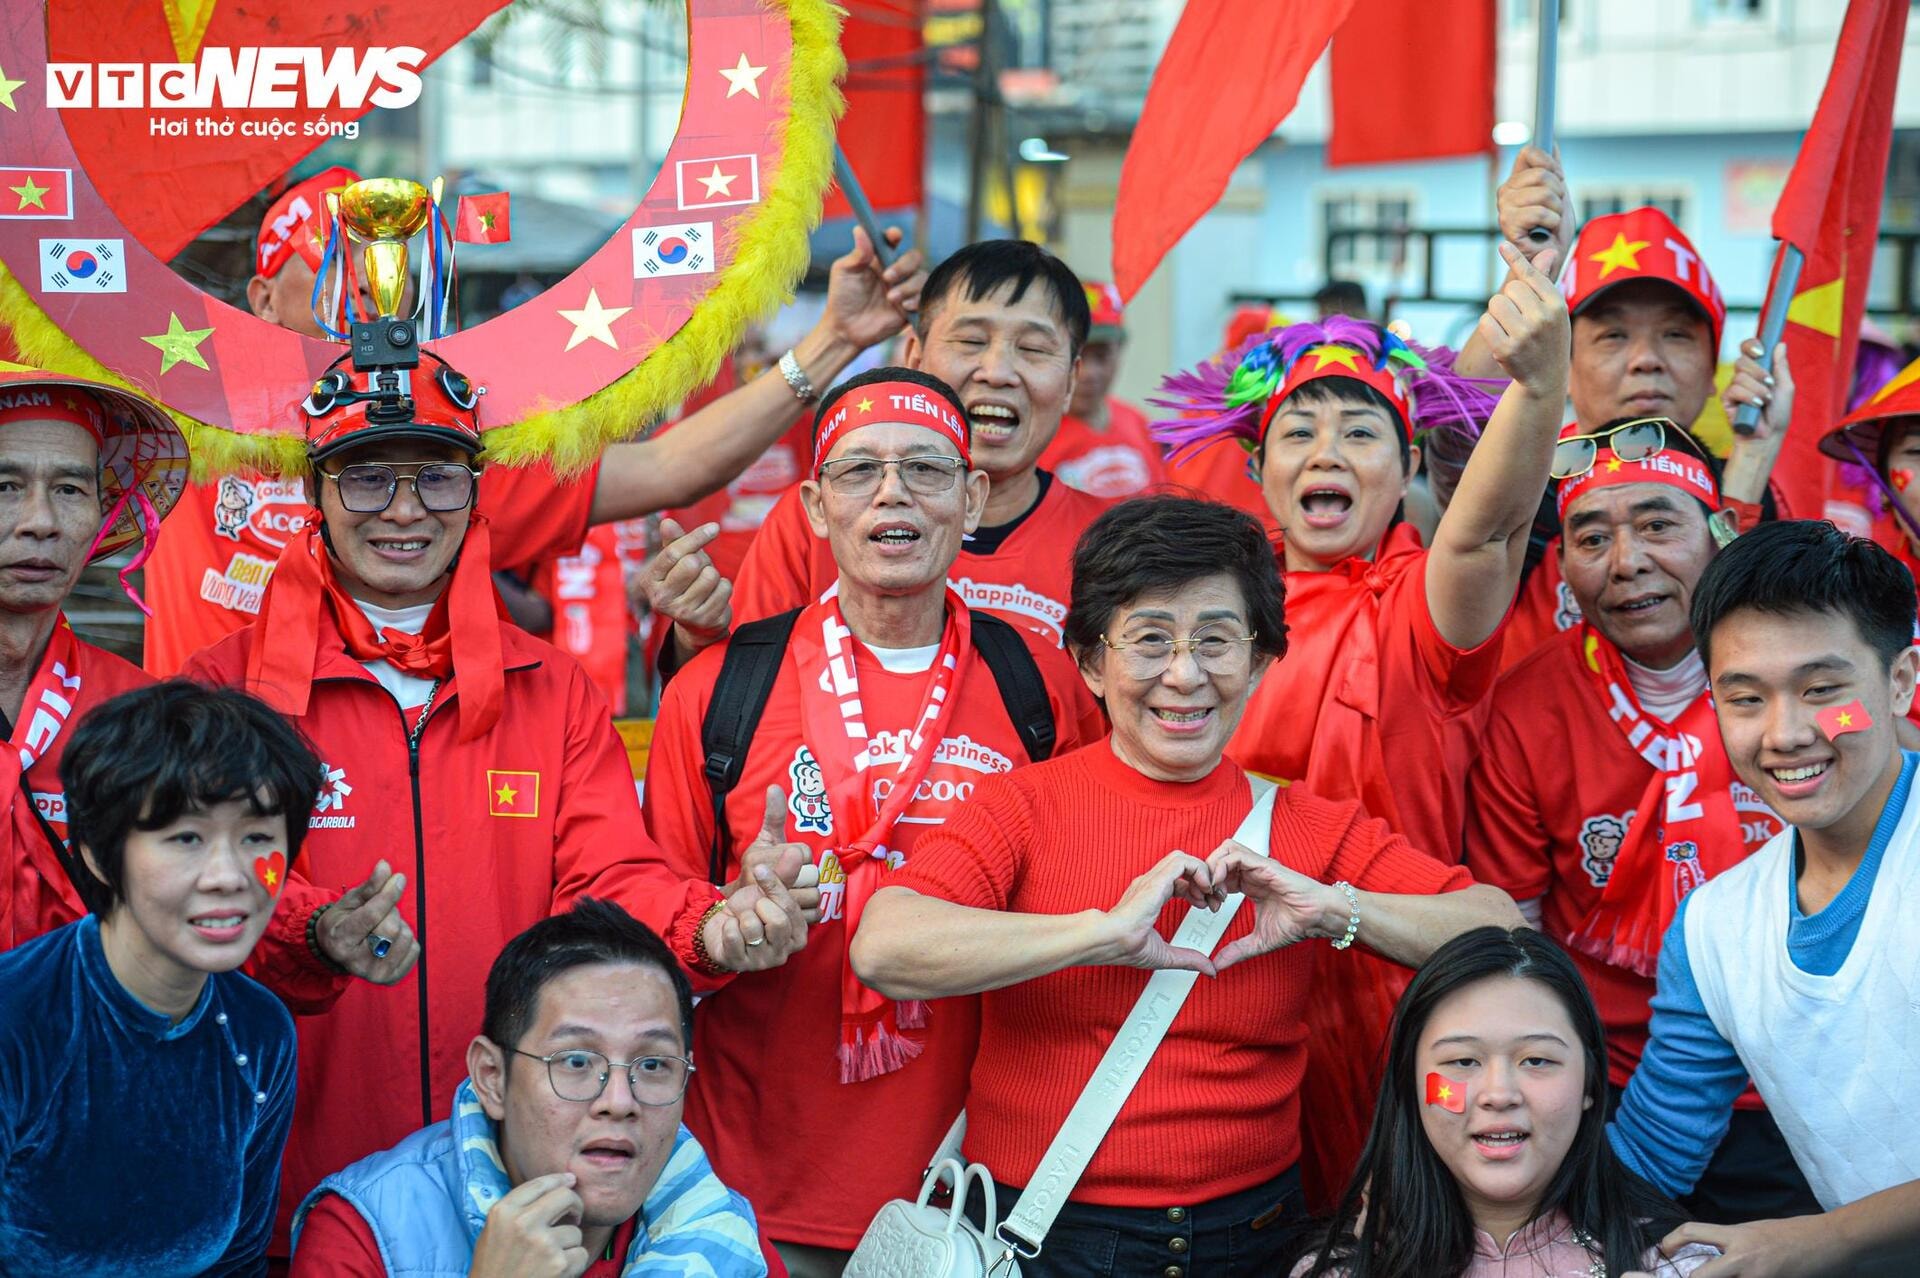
{"x":83,"y":266}
{"x":685,"y":248}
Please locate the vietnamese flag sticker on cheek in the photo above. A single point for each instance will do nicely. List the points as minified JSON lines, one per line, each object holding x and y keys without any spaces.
{"x":1446,"y":1093}
{"x":1837,"y":721}
{"x":271,"y":871}
{"x":1900,"y":478}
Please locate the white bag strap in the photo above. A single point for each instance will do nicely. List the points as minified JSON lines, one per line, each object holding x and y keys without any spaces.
{"x":1127,"y":1056}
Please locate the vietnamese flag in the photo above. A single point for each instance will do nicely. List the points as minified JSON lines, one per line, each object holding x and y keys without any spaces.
{"x":884,"y":131}
{"x":1408,"y":87}
{"x":1830,"y":211}
{"x":1837,"y":721}
{"x":1446,"y":1093}
{"x":483,"y":219}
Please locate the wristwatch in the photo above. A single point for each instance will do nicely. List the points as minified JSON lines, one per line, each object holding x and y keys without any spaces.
{"x":797,"y":379}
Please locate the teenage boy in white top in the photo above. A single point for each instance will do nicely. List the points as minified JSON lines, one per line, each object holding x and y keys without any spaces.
{"x":1801,"y":965}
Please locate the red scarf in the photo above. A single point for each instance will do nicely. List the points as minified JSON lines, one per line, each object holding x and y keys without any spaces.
{"x":44,"y":713}
{"x":834,"y":724}
{"x":463,"y":630}
{"x":1684,"y":830}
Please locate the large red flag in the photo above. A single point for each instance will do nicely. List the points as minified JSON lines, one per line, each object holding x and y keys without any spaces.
{"x":884,"y":131}
{"x":1231,"y":73}
{"x":1830,"y":211}
{"x":1406,"y":86}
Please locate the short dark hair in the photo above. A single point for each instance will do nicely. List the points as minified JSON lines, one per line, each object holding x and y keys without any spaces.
{"x":986,"y":265}
{"x":1341,"y":297}
{"x":591,"y":932}
{"x":1808,"y":566}
{"x":1162,"y":543}
{"x":891,"y":373}
{"x":145,"y":758}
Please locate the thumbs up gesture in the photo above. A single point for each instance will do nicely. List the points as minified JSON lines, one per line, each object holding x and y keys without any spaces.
{"x":768,"y":909}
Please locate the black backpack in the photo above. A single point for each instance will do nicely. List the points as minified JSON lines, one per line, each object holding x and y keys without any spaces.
{"x":754,"y":654}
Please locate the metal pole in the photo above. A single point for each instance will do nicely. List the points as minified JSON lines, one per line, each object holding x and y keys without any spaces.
{"x":1546,"y":76}
{"x":985,"y":73}
{"x":862,"y":207}
{"x":1773,"y":322}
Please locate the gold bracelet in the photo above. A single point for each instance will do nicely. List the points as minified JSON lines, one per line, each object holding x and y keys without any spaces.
{"x":703,"y":957}
{"x":1353,"y":915}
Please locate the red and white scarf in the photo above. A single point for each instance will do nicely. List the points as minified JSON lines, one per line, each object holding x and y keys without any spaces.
{"x":1684,"y":831}
{"x":44,"y":713}
{"x":835,"y":727}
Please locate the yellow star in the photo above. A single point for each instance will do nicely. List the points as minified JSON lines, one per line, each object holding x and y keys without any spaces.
{"x":1613,"y":465}
{"x":1621,"y":253}
{"x":6,"y":91}
{"x":30,"y":195}
{"x":718,"y":183}
{"x":273,"y":879}
{"x":505,"y":795}
{"x":179,"y":343}
{"x":1446,"y":1092}
{"x":593,"y":321}
{"x":73,"y":405}
{"x":487,"y":220}
{"x":866,"y":405}
{"x":743,"y":78}
{"x":1846,"y":718}
{"x":1345,"y":356}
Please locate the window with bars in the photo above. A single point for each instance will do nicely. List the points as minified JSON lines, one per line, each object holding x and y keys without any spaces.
{"x":1599,"y":201}
{"x":1377,"y":248}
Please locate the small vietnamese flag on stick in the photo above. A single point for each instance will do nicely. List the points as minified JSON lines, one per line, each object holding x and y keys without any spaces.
{"x":1837,"y":721}
{"x":1446,"y":1093}
{"x":483,"y":219}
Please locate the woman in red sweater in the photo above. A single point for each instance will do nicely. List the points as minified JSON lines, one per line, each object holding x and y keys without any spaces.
{"x":1054,"y":890}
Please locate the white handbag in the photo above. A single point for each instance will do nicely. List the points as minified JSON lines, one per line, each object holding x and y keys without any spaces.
{"x":915,"y":1240}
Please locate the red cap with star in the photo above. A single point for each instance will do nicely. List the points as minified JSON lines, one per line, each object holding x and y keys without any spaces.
{"x":1675,"y":467}
{"x":297,"y":222}
{"x":1640,"y":244}
{"x":1108,"y":322}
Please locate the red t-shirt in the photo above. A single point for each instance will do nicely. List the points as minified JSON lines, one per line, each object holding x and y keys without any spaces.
{"x":1219,"y":472}
{"x":337,"y":1242}
{"x":1540,"y":823}
{"x":220,"y":543}
{"x":743,"y":505}
{"x":765,"y":1042}
{"x":591,"y":621}
{"x":1121,"y":460}
{"x":1021,"y":573}
{"x":1238,"y":1045}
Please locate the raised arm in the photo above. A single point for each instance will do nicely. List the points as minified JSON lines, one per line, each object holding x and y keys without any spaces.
{"x":866,"y":304}
{"x":1474,"y":565}
{"x":1534,"y":195}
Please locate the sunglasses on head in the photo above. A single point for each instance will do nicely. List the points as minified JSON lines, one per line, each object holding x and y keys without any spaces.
{"x":1631,"y":441}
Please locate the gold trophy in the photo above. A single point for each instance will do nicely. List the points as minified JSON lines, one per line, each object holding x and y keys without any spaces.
{"x":383,"y":214}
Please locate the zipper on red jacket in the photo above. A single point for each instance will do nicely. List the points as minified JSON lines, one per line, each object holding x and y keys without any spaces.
{"x":420,"y":896}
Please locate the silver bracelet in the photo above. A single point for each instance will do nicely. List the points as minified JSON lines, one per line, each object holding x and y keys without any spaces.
{"x":797,"y":379}
{"x":1353,"y":916}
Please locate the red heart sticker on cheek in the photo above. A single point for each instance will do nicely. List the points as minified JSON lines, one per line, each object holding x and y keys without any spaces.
{"x":1901,"y":478}
{"x":271,"y":871}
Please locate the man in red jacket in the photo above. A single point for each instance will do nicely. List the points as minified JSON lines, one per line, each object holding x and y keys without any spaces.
{"x":483,"y":761}
{"x":88,"y":470}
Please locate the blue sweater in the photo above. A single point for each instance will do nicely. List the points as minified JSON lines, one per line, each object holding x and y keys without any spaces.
{"x":1678,"y":1104}
{"x":128,"y":1144}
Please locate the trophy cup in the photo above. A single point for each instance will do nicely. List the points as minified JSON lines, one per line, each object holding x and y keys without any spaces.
{"x":382,"y":214}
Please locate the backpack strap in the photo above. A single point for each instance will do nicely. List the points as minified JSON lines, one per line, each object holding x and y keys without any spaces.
{"x":1022,"y":689}
{"x":754,"y":654}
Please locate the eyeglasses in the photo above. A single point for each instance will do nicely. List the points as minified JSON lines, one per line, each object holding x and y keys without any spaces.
{"x":582,"y":1076}
{"x":1149,"y":656}
{"x":928,"y":476}
{"x":1629,"y":441}
{"x":368,"y":489}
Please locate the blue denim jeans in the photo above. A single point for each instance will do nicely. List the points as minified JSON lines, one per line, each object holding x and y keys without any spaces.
{"x":1251,"y":1234}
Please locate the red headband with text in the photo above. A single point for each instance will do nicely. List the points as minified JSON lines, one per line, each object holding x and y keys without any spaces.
{"x":297,"y":222}
{"x":908,"y":403}
{"x":54,"y":404}
{"x":1674,"y":467}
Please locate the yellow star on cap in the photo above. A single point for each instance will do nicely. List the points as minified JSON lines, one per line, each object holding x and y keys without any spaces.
{"x":179,"y":344}
{"x":506,"y":795}
{"x":1622,"y":253}
{"x":1345,"y":356}
{"x":593,"y":321}
{"x":1613,"y":465}
{"x":866,"y":405}
{"x":7,"y":87}
{"x":30,"y":195}
{"x":743,"y":77}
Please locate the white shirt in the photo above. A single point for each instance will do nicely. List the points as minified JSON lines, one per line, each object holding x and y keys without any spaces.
{"x":410,"y":691}
{"x":1665,"y":693}
{"x":905,"y":660}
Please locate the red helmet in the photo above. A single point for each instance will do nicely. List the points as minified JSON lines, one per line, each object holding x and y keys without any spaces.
{"x":346,"y":408}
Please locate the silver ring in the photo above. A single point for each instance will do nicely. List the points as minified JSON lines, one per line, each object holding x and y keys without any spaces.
{"x":380,"y":944}
{"x":761,"y":941}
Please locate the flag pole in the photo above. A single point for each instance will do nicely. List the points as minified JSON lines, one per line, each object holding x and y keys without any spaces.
{"x":1546,"y":75}
{"x":1752,"y":461}
{"x":862,"y":208}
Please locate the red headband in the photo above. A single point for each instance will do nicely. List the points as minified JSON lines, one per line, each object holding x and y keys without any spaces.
{"x":1674,"y":467}
{"x":908,"y":403}
{"x":1331,"y":359}
{"x":55,"y":404}
{"x":297,"y":222}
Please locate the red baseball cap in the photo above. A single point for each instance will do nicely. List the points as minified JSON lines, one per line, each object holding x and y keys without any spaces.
{"x":297,"y":222}
{"x":1640,"y":244}
{"x":437,"y":404}
{"x":1108,"y":316}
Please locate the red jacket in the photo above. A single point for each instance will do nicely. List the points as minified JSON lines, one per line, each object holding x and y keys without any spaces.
{"x":493,"y":835}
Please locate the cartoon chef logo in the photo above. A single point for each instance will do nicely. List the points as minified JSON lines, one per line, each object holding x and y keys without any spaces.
{"x":807,"y":801}
{"x":234,"y":501}
{"x":1600,"y":840}
{"x":1688,"y":873}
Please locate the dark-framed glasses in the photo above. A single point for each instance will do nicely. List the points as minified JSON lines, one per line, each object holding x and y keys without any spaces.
{"x":1147,"y":656}
{"x":367,"y":488}
{"x":579,"y":1075}
{"x":928,"y":475}
{"x":1631,"y":441}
